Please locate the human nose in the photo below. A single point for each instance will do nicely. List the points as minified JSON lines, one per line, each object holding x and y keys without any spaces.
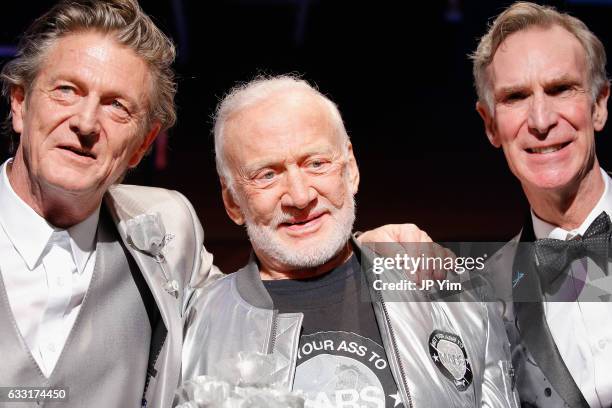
{"x":542,"y":116}
{"x":299,"y":193}
{"x":85,"y":122}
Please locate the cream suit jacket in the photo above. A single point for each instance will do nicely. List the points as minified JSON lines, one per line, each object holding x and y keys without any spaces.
{"x":185,"y":260}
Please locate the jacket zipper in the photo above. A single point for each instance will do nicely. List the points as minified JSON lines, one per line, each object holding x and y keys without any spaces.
{"x":395,"y":349}
{"x":272,"y":341}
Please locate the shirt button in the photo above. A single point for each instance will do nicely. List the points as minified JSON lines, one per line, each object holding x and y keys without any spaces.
{"x":60,"y":282}
{"x":51,"y":347}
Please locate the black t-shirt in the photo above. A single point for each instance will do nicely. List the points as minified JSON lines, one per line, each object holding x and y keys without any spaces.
{"x":341,"y":361}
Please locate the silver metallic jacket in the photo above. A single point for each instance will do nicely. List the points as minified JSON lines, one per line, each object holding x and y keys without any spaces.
{"x":236,"y":314}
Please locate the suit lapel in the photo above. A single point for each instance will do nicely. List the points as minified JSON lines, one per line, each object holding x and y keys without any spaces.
{"x":532,"y":324}
{"x":151,"y":270}
{"x":165,"y":362}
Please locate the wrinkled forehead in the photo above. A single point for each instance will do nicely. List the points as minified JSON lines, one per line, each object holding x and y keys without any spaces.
{"x":284,"y":119}
{"x":537,"y":53}
{"x":100,"y":59}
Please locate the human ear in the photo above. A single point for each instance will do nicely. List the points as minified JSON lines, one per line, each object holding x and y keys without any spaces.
{"x":144,"y":146}
{"x":600,"y":108}
{"x":17,"y":107}
{"x":489,"y":123}
{"x":232,"y":208}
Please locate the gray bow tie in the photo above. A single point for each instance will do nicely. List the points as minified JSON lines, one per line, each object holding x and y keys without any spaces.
{"x":554,"y":255}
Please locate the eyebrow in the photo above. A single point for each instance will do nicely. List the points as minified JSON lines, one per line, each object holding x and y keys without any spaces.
{"x":562,"y":80}
{"x":554,"y":82}
{"x":132,"y":105}
{"x":503,"y":92}
{"x":269,"y":162}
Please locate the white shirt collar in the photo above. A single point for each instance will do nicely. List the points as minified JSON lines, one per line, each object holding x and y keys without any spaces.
{"x":30,"y":233}
{"x":543,"y":229}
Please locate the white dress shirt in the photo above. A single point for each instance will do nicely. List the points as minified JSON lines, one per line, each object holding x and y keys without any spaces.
{"x":46,"y":272}
{"x":582,"y":331}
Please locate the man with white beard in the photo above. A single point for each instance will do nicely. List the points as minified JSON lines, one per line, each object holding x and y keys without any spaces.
{"x":288,"y":172}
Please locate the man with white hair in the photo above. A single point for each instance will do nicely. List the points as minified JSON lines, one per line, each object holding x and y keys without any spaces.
{"x":542,"y":94}
{"x":95,"y":277}
{"x":288,"y":173}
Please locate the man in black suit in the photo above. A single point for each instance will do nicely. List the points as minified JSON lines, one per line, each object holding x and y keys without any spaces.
{"x":542,"y":94}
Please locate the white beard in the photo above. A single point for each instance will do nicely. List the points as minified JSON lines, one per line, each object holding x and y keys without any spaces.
{"x":265,"y":237}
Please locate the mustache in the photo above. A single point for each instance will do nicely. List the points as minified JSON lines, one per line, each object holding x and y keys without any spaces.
{"x":288,"y":216}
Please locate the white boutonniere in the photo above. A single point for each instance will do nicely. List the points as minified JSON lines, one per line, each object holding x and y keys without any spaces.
{"x":146,"y":234}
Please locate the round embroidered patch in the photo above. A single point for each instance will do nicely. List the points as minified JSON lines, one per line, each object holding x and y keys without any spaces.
{"x":449,"y":355}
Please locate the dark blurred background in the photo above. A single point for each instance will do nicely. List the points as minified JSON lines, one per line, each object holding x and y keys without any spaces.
{"x":398,"y":71}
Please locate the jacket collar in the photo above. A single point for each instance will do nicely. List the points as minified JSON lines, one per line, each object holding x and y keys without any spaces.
{"x":251,"y":288}
{"x":533,"y":328}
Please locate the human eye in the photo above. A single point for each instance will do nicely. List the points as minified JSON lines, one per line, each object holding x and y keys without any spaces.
{"x":269,"y":175}
{"x":116,"y":104}
{"x":264,"y":176}
{"x":514,"y":97}
{"x":64,"y":92}
{"x":65,"y":89}
{"x":119,"y":109}
{"x":560,"y":89}
{"x":317,"y":165}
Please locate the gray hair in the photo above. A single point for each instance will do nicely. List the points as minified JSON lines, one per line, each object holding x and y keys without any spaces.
{"x":522,"y":16}
{"x":125,"y":21}
{"x":260,"y":89}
